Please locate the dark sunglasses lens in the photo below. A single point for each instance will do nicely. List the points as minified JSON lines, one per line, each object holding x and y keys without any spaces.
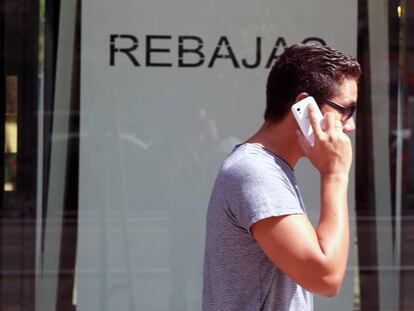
{"x":349,"y":112}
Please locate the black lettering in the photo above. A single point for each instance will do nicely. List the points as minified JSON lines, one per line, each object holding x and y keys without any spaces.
{"x":150,"y":50}
{"x":230,"y":54}
{"x":258,"y":55}
{"x":314,"y":40}
{"x":127,"y":51}
{"x":185,"y":50}
{"x":273,"y":54}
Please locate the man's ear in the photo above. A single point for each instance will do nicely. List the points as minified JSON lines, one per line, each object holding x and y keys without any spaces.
{"x":301,"y":96}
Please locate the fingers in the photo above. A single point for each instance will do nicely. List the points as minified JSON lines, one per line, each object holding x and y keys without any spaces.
{"x":314,"y":122}
{"x":333,"y":126}
{"x":339,"y":126}
{"x":330,"y":122}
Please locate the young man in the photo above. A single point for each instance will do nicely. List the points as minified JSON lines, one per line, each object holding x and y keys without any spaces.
{"x":262,"y":253}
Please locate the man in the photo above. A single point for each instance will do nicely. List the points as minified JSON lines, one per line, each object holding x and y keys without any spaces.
{"x":262,"y":253}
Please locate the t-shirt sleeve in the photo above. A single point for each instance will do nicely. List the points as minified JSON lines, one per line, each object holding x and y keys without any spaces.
{"x":259,"y":192}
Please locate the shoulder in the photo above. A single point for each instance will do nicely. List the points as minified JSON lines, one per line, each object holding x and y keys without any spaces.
{"x":249,"y":162}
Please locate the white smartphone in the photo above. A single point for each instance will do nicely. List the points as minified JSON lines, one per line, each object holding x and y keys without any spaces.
{"x":301,"y":113}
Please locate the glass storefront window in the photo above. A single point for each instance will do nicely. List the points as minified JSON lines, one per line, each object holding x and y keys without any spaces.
{"x":116,"y":117}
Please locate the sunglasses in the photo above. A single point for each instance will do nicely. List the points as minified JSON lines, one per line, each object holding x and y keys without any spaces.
{"x":346,"y":111}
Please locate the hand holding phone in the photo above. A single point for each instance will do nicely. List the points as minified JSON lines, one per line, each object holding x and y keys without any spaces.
{"x":301,"y":113}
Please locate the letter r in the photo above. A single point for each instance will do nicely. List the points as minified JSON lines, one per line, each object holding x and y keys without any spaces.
{"x":113,"y":49}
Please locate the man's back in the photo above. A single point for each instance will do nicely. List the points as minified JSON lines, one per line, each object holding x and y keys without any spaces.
{"x":253,"y":184}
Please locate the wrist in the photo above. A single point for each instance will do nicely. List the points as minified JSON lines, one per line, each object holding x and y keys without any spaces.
{"x":335,"y":176}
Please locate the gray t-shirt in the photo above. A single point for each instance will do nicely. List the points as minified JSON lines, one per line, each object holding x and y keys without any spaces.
{"x":253,"y":184}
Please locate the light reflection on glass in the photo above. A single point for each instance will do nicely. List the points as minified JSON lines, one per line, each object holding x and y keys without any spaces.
{"x":10,"y":147}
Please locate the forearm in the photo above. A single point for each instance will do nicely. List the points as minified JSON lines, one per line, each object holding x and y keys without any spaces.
{"x":333,"y":228}
{"x":317,"y":259}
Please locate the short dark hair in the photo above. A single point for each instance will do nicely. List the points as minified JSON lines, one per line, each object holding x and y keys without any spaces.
{"x":312,"y":68}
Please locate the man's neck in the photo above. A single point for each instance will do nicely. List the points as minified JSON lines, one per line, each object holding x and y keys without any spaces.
{"x":279,"y":138}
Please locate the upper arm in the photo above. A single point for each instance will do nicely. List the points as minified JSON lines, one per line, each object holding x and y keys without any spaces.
{"x":291,"y":243}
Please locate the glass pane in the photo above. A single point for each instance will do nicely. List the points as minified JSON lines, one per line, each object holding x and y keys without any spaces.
{"x":166,"y":95}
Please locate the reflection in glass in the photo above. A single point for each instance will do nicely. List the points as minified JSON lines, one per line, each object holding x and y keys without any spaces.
{"x":10,"y":148}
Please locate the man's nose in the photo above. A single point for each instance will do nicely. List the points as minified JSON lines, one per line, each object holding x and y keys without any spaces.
{"x":349,"y":125}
